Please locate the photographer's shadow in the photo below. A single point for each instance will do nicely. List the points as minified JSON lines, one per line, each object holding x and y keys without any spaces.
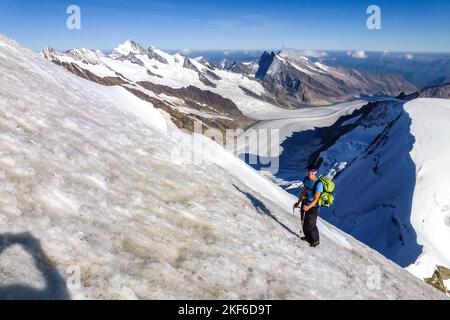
{"x":55,"y":285}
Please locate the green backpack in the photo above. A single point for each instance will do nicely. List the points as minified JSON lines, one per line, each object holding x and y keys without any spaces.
{"x":326,"y":198}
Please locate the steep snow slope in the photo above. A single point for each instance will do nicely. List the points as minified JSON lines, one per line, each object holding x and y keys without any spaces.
{"x":390,"y":161}
{"x":91,"y":186}
{"x":374,"y":194}
{"x":392,"y":196}
{"x":431,"y":201}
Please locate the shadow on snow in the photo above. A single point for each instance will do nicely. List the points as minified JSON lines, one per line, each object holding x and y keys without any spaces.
{"x":263,"y":210}
{"x":55,"y":285}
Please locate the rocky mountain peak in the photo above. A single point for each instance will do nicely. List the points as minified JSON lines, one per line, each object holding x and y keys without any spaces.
{"x":264,"y":64}
{"x":128,"y":47}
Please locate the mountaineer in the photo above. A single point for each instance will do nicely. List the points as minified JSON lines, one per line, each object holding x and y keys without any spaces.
{"x":316,"y":192}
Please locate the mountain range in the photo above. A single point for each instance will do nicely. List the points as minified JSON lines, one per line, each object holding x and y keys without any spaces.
{"x":419,"y":69}
{"x":186,"y":89}
{"x":294,"y":79}
{"x":224,"y":97}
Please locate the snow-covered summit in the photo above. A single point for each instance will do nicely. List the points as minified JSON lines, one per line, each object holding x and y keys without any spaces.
{"x":128,"y":47}
{"x":83,"y":55}
{"x":292,"y":54}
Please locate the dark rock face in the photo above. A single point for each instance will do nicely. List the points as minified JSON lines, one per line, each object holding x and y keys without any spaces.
{"x":438,"y":279}
{"x":441,"y":92}
{"x":206,"y":81}
{"x":106,"y":81}
{"x":245,"y":68}
{"x":153,"y":74}
{"x":185,"y":120}
{"x":295,"y":80}
{"x":206,"y":63}
{"x":289,"y":87}
{"x":196,"y":98}
{"x":189,"y":65}
{"x":212,"y":75}
{"x":153,"y":55}
{"x":264,"y":64}
{"x":264,"y":98}
{"x":131,"y":58}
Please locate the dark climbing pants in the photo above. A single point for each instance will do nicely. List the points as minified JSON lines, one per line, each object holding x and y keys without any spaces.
{"x":310,"y":229}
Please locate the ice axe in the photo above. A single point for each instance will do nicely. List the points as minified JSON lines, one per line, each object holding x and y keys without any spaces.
{"x":302,"y":220}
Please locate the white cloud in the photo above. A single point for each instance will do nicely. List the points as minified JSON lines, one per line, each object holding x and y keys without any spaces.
{"x":358,"y":54}
{"x":409,"y":56}
{"x":314,"y":53}
{"x":186,"y":51}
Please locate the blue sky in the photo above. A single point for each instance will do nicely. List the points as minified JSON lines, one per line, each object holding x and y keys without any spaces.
{"x":413,"y":26}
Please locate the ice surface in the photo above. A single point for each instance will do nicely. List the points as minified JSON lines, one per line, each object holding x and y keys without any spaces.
{"x":431,"y":201}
